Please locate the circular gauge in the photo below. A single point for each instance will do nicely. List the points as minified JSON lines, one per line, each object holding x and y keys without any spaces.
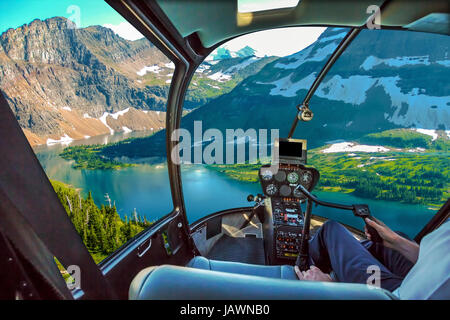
{"x":271,"y":189}
{"x":285,"y":190}
{"x":297,"y":193}
{"x":266,"y":174}
{"x":280,"y":176}
{"x":306,"y":178}
{"x":292,"y":177}
{"x":277,"y":211}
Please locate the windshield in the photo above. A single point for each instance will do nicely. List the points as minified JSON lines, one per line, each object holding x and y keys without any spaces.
{"x":380,"y":132}
{"x":79,"y":79}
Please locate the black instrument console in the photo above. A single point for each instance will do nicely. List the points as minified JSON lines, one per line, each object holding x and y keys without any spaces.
{"x":287,"y":227}
{"x":286,"y":186}
{"x":283,"y":205}
{"x":282,"y":183}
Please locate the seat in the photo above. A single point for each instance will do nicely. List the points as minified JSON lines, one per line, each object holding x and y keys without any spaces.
{"x":168,"y":282}
{"x":277,"y":272}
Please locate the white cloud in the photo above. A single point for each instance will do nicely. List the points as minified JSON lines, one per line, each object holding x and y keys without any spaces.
{"x":125,"y":30}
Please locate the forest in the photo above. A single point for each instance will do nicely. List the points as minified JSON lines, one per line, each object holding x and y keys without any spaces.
{"x":414,"y":170}
{"x":102,"y":230}
{"x":90,"y":157}
{"x":408,"y":177}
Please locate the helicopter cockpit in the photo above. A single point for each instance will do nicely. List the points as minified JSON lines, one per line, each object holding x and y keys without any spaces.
{"x":274,"y":237}
{"x":60,"y":244}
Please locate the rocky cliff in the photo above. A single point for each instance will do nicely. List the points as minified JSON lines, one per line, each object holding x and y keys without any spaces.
{"x":60,"y":80}
{"x":385,"y":80}
{"x":63,"y":82}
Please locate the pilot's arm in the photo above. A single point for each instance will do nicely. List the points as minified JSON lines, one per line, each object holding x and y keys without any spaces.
{"x":392,"y":240}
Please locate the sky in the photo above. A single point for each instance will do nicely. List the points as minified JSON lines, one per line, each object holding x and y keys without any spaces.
{"x":277,"y":42}
{"x":15,"y":13}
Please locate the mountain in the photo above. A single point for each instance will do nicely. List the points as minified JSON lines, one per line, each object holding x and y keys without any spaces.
{"x":224,"y":52}
{"x":65,"y":83}
{"x":214,"y":78}
{"x":385,"y":80}
{"x":60,"y":80}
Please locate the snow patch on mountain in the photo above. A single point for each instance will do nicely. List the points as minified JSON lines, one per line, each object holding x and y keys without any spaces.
{"x":103,"y":120}
{"x":351,"y":90}
{"x":126,"y":130}
{"x":115,"y":116}
{"x":242,"y":65}
{"x":353,"y":147}
{"x":212,"y":86}
{"x":396,"y":62}
{"x":202,"y":68}
{"x":64,"y":140}
{"x":220,"y":76}
{"x":418,"y":149}
{"x":297,"y":59}
{"x":119,"y":113}
{"x":423,"y":111}
{"x":445,"y":63}
{"x":428,"y":132}
{"x":170,"y":65}
{"x":285,"y":87}
{"x":154,"y":68}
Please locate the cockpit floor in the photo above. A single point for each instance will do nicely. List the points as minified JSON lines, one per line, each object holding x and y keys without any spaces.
{"x":246,"y":250}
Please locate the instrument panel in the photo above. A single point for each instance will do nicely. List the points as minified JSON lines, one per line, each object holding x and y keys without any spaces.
{"x":282,"y":183}
{"x":286,"y":220}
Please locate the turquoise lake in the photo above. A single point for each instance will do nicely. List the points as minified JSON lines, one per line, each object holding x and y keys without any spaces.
{"x":146,"y":189}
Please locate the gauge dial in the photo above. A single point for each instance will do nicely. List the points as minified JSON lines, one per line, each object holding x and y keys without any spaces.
{"x":266,"y":175}
{"x":271,"y":189}
{"x":306,"y":178}
{"x":280,"y":176}
{"x":277,"y":211}
{"x":285,"y":190}
{"x":292,"y":177}
{"x":297,"y":193}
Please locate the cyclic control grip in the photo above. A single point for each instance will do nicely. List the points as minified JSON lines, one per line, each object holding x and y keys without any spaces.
{"x":363,"y":211}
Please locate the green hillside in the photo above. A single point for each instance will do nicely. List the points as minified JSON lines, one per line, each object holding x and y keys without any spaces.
{"x":101,"y":228}
{"x":407,"y":138}
{"x":398,"y":175}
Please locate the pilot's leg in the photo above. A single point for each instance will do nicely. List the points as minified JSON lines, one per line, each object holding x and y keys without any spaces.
{"x":333,"y":247}
{"x":392,"y":259}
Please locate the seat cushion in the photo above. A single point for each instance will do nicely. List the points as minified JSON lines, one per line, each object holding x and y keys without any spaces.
{"x":277,"y":272}
{"x":173,"y":282}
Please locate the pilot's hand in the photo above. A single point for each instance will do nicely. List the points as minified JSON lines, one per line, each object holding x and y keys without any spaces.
{"x":312,"y":274}
{"x":390,"y":238}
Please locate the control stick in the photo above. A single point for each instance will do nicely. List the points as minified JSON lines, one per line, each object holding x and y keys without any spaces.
{"x":359,"y":210}
{"x":303,"y":255}
{"x":362,"y":210}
